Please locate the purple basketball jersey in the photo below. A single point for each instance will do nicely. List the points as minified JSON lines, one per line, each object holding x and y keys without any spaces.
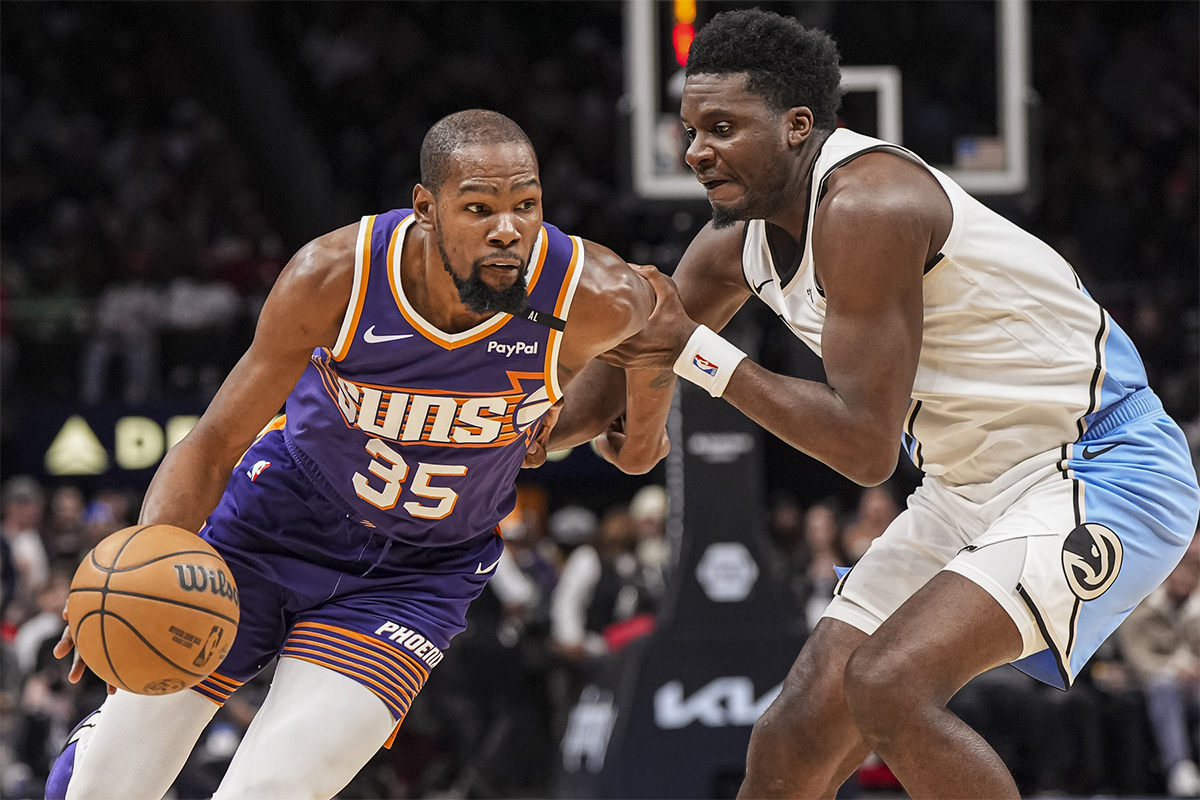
{"x":422,"y":432}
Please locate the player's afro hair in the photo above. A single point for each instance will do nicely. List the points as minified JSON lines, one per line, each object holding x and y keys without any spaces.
{"x":788,"y":65}
{"x":462,"y":129}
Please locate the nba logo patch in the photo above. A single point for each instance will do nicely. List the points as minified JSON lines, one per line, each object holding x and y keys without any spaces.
{"x":257,"y":470}
{"x":705,"y":366}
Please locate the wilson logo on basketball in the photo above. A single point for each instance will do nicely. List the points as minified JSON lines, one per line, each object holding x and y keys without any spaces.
{"x":195,"y":578}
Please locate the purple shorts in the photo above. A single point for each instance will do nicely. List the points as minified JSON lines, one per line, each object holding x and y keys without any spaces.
{"x":316,"y":583}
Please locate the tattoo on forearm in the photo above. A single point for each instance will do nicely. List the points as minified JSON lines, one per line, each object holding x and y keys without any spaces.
{"x":662,"y":380}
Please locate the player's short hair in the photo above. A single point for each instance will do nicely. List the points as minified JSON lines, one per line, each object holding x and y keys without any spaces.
{"x":462,"y":129}
{"x":788,"y":65}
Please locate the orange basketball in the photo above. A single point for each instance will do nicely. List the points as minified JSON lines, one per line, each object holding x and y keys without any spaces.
{"x":153,"y":609}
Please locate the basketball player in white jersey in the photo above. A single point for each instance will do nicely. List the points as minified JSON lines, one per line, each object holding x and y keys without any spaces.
{"x":1057,"y":492}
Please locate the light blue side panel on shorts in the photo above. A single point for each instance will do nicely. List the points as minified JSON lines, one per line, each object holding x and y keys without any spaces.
{"x":1136,"y":508}
{"x":1124,"y":372}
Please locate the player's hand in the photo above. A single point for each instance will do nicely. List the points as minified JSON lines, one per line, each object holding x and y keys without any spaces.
{"x":64,"y":646}
{"x":631,"y":456}
{"x":535,"y":456}
{"x":666,"y":333}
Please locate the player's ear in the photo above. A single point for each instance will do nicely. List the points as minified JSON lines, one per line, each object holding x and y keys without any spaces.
{"x":423,"y":207}
{"x":800,"y":125}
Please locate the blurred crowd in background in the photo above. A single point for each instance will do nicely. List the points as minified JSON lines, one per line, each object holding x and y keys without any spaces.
{"x":572,"y":590}
{"x":143,"y":224}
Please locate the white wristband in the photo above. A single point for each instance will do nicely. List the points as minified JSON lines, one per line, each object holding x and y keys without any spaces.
{"x":708,"y":361}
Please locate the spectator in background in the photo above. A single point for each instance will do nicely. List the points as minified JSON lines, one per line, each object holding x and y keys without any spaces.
{"x":790,"y":558}
{"x":602,"y":586}
{"x":877,"y":508}
{"x":524,"y":578}
{"x":127,"y":329}
{"x":199,"y":319}
{"x":572,"y":527}
{"x":1161,"y":640}
{"x":575,"y":528}
{"x":494,"y":685}
{"x":823,"y":538}
{"x":45,"y":626}
{"x":109,"y":511}
{"x":8,"y":577}
{"x":23,"y":507}
{"x":65,"y":529}
{"x":648,"y":512}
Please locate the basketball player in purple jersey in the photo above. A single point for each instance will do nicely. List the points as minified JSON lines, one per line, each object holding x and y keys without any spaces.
{"x":418,"y":352}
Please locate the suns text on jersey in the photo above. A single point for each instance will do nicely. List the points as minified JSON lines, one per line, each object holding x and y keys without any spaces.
{"x":412,"y":415}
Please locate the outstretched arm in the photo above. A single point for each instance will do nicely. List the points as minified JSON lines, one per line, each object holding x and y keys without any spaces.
{"x":880,"y":221}
{"x":611,"y":303}
{"x":628,"y":406}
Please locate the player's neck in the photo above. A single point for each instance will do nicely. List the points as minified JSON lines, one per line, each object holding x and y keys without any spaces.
{"x":429,"y":287}
{"x":794,"y":215}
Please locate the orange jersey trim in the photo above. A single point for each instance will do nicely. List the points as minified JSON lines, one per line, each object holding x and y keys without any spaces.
{"x":392,"y":739}
{"x":422,"y":670}
{"x":332,"y":662}
{"x":393,"y":672}
{"x":274,"y":425}
{"x":440,"y":338}
{"x":539,"y":259}
{"x":221,"y":680}
{"x":358,"y":293}
{"x":561,"y":309}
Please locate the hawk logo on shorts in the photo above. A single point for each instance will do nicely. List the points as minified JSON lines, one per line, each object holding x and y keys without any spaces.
{"x":1091,"y":560}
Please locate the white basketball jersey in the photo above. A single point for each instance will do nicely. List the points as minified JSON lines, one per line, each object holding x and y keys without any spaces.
{"x":1016,"y":358}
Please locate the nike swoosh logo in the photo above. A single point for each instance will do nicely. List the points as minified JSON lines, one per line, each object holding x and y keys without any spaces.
{"x":1090,"y":454}
{"x":758,"y":288}
{"x":481,"y":571}
{"x":371,"y":337}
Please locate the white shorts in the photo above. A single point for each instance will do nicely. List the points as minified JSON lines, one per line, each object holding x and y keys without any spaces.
{"x":1068,"y":542}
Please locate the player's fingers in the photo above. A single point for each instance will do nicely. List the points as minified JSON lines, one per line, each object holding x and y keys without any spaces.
{"x":551,"y":418}
{"x":543,"y":434}
{"x":608,"y":445}
{"x":64,"y":645}
{"x":663,"y":285}
{"x":535,"y":456}
{"x":536,"y":453}
{"x":77,"y":669}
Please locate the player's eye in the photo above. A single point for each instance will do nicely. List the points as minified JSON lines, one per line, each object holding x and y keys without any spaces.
{"x":477,"y":208}
{"x":722,"y":128}
{"x":528,"y":205}
{"x":690,"y":133}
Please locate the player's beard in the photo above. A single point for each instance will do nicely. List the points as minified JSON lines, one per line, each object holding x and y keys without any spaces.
{"x":762,"y":204}
{"x":481,"y":298}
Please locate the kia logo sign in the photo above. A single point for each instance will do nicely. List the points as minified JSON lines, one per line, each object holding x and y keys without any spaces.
{"x":722,"y":703}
